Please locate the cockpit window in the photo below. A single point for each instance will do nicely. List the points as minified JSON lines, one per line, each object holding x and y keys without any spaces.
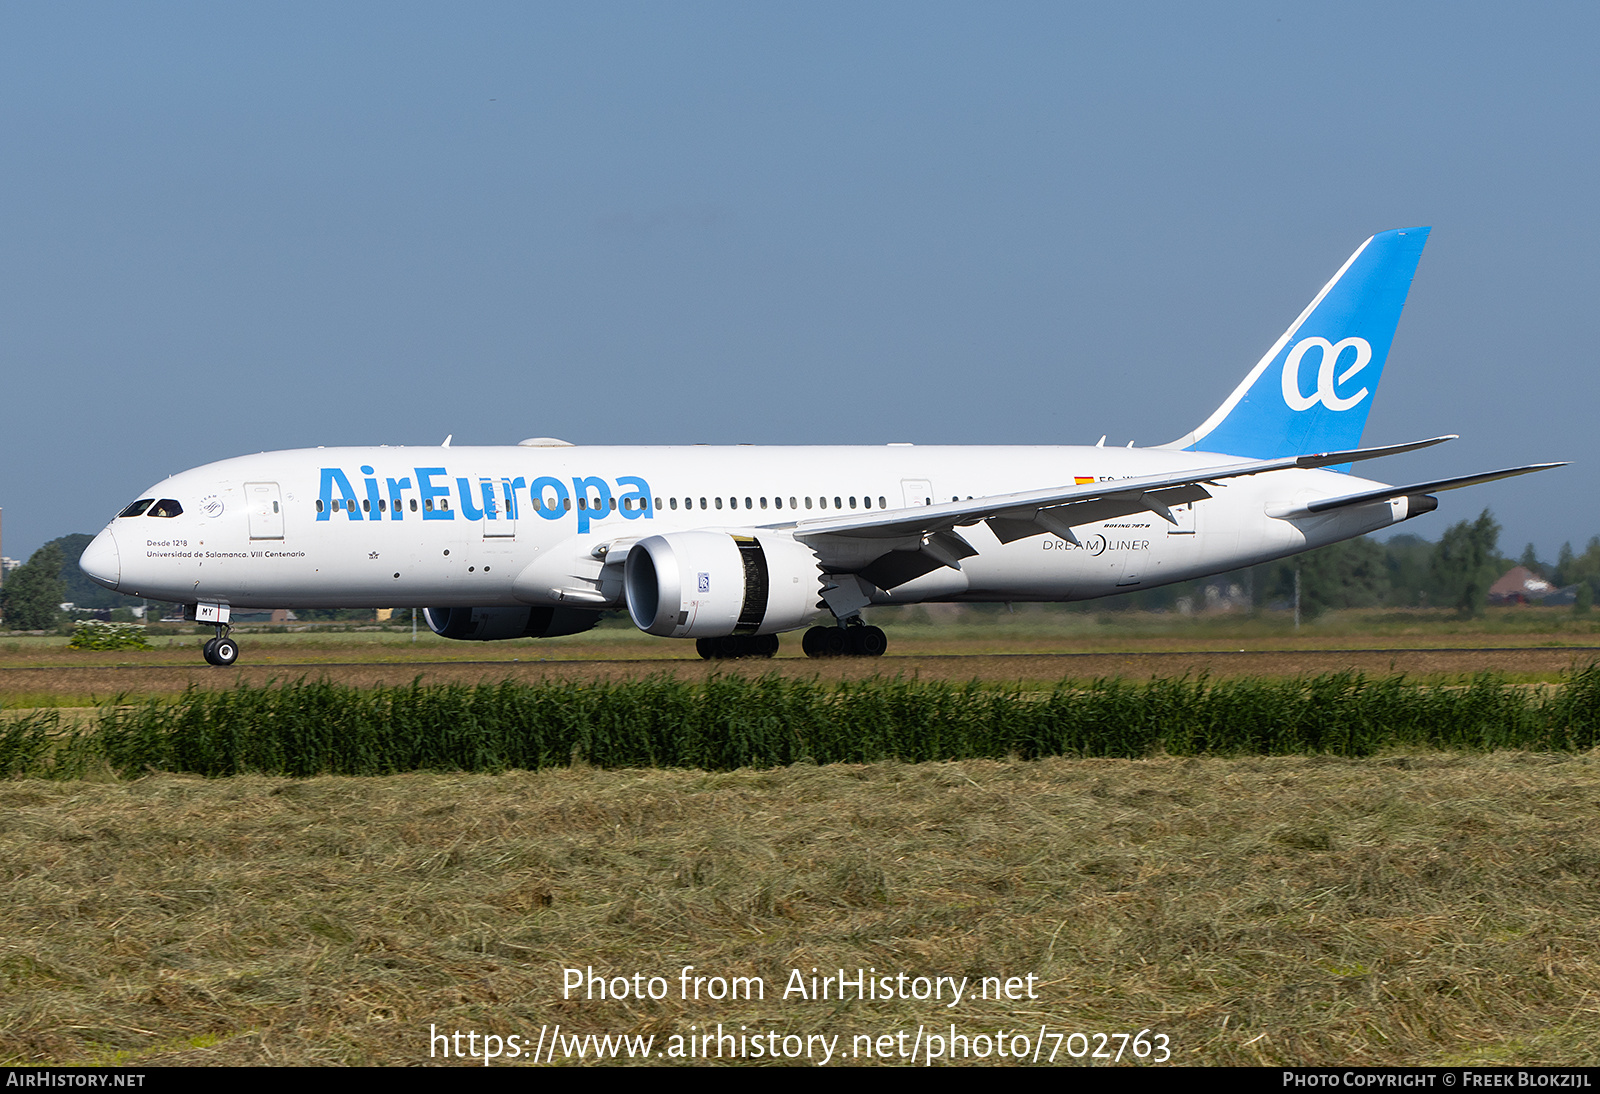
{"x":166,"y":507}
{"x":136,"y":508}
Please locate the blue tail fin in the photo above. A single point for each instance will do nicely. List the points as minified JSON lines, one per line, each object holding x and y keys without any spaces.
{"x":1313,"y":389}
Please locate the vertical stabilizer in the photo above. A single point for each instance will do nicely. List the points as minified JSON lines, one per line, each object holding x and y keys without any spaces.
{"x":1313,"y":389}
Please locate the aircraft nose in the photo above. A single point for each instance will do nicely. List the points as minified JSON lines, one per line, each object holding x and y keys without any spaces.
{"x":101,"y":561}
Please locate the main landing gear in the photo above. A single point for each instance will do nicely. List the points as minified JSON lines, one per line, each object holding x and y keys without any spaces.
{"x":221,"y":651}
{"x":854,"y":639}
{"x":731,"y":646}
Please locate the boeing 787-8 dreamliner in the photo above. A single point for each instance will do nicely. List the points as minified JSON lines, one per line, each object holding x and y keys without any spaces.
{"x":734,"y":546}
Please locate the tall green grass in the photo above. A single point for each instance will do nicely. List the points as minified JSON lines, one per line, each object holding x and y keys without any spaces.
{"x":727,"y":722}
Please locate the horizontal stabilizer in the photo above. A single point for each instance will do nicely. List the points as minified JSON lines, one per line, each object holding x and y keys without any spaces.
{"x":1385,"y":493}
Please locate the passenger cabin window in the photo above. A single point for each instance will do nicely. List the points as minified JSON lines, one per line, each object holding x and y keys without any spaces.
{"x":166,"y":507}
{"x":137,"y":507}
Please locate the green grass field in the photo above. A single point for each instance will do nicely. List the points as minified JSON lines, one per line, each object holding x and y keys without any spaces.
{"x":724,"y":722}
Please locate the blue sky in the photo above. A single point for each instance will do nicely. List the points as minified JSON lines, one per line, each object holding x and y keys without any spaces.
{"x":230,"y":228}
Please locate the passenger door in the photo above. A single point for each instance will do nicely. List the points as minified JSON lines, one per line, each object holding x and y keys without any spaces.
{"x":266,"y":510}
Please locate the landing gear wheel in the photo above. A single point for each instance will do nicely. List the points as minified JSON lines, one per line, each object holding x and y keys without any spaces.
{"x":852,"y":641}
{"x":733,"y":646}
{"x":221,"y":651}
{"x":824,"y":642}
{"x":866,"y":641}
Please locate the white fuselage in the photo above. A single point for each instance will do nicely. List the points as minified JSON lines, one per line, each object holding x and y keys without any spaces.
{"x":471,"y":527}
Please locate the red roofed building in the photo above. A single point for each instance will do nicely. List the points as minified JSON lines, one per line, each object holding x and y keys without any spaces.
{"x":1520,"y":585}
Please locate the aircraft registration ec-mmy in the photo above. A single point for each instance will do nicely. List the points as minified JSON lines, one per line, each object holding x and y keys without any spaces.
{"x":734,"y":545}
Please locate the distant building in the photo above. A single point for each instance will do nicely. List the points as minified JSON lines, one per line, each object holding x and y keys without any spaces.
{"x":1520,"y":585}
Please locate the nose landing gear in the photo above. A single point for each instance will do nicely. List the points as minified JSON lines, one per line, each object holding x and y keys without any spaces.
{"x":221,"y":651}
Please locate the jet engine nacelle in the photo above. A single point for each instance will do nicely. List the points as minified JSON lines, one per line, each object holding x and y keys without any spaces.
{"x":493,"y":624}
{"x":709,"y":584}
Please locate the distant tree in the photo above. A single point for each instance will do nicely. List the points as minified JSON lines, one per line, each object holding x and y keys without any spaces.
{"x":1530,"y":561}
{"x":1343,"y":575}
{"x":1564,"y":565}
{"x":1351,"y":574}
{"x":1583,"y":600}
{"x":1465,"y":563}
{"x":1409,"y":560}
{"x":1581,"y":569}
{"x":31,"y":598}
{"x":81,"y":589}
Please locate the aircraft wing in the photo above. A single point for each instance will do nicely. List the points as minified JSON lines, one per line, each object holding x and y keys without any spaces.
{"x":924,"y":538}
